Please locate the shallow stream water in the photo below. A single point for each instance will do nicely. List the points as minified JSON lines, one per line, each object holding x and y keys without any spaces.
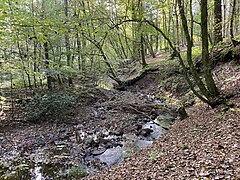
{"x":65,"y":158}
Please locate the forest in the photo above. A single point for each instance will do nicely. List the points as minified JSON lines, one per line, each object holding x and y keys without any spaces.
{"x":119,"y":89}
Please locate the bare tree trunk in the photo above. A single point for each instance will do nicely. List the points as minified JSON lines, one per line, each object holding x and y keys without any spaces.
{"x":217,"y":21}
{"x":149,"y":44}
{"x":49,"y":78}
{"x":67,"y":44}
{"x":78,"y":51}
{"x":223,"y":18}
{"x":234,"y":42}
{"x":34,"y":63}
{"x":122,"y":47}
{"x":193,"y":70}
{"x":212,"y":89}
{"x":191,"y":23}
{"x":177,"y":25}
{"x":144,"y":63}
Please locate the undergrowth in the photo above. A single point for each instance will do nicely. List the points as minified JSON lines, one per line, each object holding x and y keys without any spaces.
{"x":52,"y":104}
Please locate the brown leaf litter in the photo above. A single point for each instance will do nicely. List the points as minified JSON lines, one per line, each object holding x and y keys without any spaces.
{"x":204,"y":146}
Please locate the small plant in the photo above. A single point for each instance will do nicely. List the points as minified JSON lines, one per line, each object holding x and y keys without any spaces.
{"x":185,"y":146}
{"x":154,"y":155}
{"x":169,"y":166}
{"x":128,"y":153}
{"x":76,"y":172}
{"x":54,"y":104}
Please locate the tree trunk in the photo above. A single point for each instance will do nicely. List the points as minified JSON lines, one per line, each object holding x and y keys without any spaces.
{"x":191,"y":26}
{"x":193,"y":70}
{"x":177,"y":25}
{"x":122,"y":47}
{"x":217,"y":21}
{"x":144,"y":63}
{"x":67,"y":44}
{"x":212,"y":89}
{"x":234,"y":42}
{"x":49,"y":78}
{"x":34,"y":63}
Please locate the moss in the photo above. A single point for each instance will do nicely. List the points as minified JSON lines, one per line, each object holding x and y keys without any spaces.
{"x":185,"y":146}
{"x":2,"y":98}
{"x":163,"y":123}
{"x":77,"y":171}
{"x":169,"y":166}
{"x":105,"y":85}
{"x":154,"y":155}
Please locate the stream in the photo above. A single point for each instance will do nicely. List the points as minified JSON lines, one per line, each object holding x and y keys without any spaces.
{"x":75,"y":151}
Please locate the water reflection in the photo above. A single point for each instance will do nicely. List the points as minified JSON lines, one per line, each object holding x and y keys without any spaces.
{"x":38,"y":174}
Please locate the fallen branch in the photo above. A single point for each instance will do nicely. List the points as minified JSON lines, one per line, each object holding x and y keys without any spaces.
{"x":123,"y":84}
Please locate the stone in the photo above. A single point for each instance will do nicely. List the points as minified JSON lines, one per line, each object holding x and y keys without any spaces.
{"x":112,"y":156}
{"x":182,"y":113}
{"x":119,"y":132}
{"x":141,"y":144}
{"x":166,"y":124}
{"x":146,"y":132}
{"x":98,"y":151}
{"x":156,"y":130}
{"x":166,"y":117}
{"x":133,"y":144}
{"x":164,"y":120}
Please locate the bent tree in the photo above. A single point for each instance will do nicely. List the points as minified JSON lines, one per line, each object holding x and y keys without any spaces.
{"x":50,"y":41}
{"x":204,"y":88}
{"x":212,"y":91}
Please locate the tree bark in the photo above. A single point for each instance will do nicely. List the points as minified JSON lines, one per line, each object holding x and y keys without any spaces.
{"x":212,"y":89}
{"x":144,"y":63}
{"x":234,"y":42}
{"x":193,"y":70}
{"x":217,"y":21}
{"x":49,"y":78}
{"x":67,"y":43}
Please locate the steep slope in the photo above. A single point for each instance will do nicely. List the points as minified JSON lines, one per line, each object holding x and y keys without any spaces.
{"x":204,"y":146}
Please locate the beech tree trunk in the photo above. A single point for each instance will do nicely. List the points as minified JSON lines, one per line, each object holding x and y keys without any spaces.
{"x":212,"y":89}
{"x":217,"y":21}
{"x":67,"y":44}
{"x":234,"y":42}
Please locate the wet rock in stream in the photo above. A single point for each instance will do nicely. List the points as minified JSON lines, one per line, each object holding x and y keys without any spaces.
{"x":112,"y":156}
{"x":155,"y":129}
{"x":128,"y":144}
{"x":109,"y":131}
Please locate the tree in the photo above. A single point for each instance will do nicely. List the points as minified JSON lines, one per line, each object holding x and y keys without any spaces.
{"x":212,"y":92}
{"x":218,"y":21}
{"x":207,"y":93}
{"x":67,"y":42}
{"x":234,"y":42}
{"x":52,"y":40}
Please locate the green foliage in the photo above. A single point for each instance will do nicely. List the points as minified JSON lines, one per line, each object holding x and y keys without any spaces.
{"x":185,"y":146}
{"x":2,"y":98}
{"x":196,"y":51}
{"x":76,"y":172}
{"x":52,"y":104}
{"x":169,"y":166}
{"x":105,"y":85}
{"x":154,"y":155}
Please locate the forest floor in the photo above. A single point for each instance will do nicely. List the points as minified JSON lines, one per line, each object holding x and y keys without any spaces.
{"x":206,"y":145}
{"x":203,"y":146}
